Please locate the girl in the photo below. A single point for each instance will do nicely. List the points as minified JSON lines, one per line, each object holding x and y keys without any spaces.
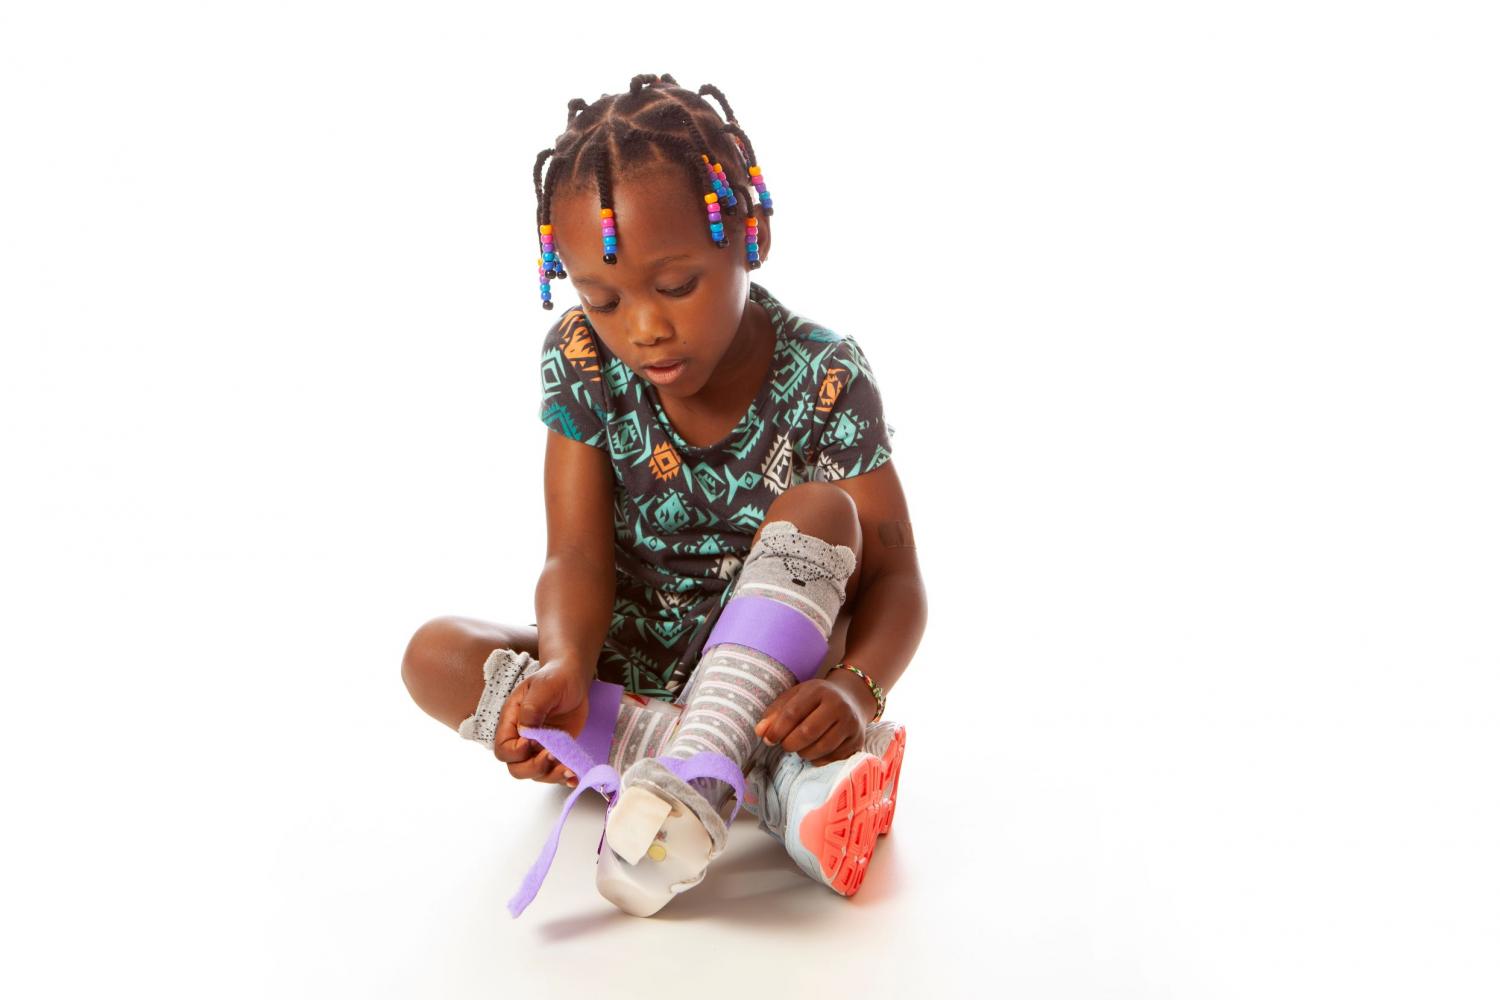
{"x":731,"y":583}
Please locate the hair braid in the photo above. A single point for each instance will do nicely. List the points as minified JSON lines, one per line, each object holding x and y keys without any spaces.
{"x":536,"y":179}
{"x":748,"y":152}
{"x":707,"y":151}
{"x":606,"y":196}
{"x":711,"y":90}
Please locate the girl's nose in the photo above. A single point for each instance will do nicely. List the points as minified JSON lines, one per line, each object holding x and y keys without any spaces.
{"x":647,"y":330}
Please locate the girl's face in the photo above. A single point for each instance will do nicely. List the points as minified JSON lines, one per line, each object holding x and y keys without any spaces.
{"x":674,"y":305}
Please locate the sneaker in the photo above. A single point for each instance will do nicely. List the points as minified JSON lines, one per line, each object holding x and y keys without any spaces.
{"x":834,"y":813}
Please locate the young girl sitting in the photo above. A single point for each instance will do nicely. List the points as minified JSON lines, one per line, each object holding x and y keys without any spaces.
{"x":731,"y":583}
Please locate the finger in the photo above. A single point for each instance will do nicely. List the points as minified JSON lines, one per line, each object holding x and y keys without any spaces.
{"x":556,"y":774}
{"x":525,"y":770}
{"x":824,"y":745}
{"x":779,"y":702}
{"x":536,"y":704}
{"x":848,"y":748}
{"x":561,"y":774}
{"x":510,"y":746}
{"x":532,"y":767}
{"x":806,"y":732}
{"x":784,"y":713}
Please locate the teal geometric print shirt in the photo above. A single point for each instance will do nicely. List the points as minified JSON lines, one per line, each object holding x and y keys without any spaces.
{"x":684,"y":515}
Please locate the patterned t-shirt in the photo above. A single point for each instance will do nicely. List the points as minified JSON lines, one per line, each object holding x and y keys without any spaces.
{"x":683,"y":515}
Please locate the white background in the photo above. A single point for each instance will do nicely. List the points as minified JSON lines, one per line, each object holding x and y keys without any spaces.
{"x":1185,"y":315}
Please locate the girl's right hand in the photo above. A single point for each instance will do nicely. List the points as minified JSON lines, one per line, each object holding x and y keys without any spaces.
{"x":555,"y":697}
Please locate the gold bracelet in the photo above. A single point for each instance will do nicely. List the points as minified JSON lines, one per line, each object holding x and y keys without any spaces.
{"x":875,"y":689}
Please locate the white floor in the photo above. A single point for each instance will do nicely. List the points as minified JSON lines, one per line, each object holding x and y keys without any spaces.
{"x":299,"y":829}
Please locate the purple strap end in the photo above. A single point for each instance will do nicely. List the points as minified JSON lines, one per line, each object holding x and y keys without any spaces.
{"x":601,"y":777}
{"x":587,"y":757}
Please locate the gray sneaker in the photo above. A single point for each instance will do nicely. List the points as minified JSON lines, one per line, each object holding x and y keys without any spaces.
{"x":836,"y":811}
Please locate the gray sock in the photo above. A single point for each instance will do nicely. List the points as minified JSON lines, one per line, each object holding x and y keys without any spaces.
{"x":502,"y":672}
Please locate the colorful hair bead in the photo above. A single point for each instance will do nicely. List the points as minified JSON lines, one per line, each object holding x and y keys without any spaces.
{"x":550,"y":260}
{"x":543,"y":275}
{"x":611,"y":240}
{"x":722,"y":187}
{"x":759,"y":181}
{"x":752,"y":242}
{"x":715,"y":220}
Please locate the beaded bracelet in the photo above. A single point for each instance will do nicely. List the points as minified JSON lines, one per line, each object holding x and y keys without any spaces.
{"x":874,"y":688}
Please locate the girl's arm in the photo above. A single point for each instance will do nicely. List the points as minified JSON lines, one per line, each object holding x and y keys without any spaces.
{"x":575,"y":593}
{"x":884,"y":630}
{"x":889,"y":613}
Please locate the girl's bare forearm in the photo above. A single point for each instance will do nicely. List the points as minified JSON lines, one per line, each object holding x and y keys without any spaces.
{"x":885,"y":627}
{"x":574,"y":601}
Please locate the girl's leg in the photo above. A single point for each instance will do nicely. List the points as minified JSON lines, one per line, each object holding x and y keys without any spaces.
{"x":772,"y":634}
{"x":461,"y":670}
{"x":805,"y":558}
{"x":444,"y":663}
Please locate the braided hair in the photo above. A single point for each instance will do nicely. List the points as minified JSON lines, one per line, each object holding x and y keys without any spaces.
{"x":620,"y":136}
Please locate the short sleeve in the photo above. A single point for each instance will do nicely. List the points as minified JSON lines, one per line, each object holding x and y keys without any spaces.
{"x":572,"y":393}
{"x":851,"y":432}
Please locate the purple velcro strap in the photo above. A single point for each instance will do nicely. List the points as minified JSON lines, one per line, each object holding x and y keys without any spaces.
{"x":779,"y":630}
{"x":604,"y":711}
{"x":707,"y":764}
{"x":600,"y":777}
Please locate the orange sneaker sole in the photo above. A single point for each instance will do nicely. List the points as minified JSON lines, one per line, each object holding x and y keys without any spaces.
{"x":842,"y":832}
{"x":890,"y":781}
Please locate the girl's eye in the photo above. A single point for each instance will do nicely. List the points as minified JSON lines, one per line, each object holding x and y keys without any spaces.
{"x":674,"y":292}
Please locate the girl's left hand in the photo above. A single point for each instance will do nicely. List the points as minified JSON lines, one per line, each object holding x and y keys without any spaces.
{"x":815,"y":719}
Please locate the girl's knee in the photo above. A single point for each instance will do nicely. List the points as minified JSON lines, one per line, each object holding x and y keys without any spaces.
{"x":819,"y":509}
{"x":443,"y":666}
{"x":428,"y":658}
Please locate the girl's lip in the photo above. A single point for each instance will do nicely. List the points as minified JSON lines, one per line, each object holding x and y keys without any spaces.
{"x":664,"y":374}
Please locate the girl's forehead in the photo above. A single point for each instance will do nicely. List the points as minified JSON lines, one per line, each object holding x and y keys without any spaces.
{"x":652,"y":218}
